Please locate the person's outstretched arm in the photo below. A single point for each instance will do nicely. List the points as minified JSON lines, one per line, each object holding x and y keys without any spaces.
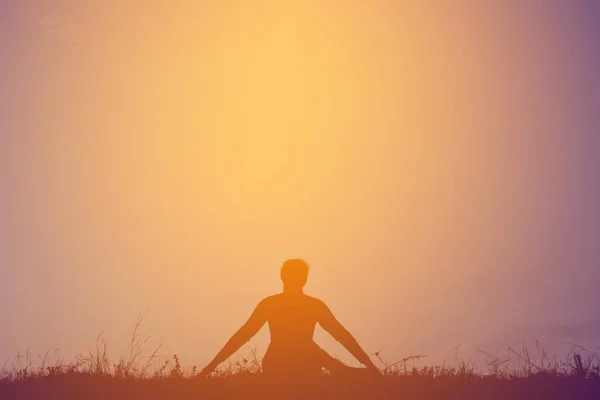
{"x":244,"y":334}
{"x":328,"y":322}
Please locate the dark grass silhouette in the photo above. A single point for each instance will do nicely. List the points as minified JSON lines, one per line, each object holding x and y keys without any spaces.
{"x":139,"y":374}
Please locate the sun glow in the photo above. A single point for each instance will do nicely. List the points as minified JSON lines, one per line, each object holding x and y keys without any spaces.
{"x":279,"y":106}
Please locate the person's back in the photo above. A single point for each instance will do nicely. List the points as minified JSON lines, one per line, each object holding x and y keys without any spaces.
{"x":292,"y":317}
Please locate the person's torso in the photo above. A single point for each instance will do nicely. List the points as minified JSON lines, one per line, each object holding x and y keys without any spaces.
{"x":291,"y":320}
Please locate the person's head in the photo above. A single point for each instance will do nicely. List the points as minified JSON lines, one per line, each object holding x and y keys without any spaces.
{"x":294,"y":273}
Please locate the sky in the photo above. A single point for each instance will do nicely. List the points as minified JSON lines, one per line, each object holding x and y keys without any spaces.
{"x":436,"y":164}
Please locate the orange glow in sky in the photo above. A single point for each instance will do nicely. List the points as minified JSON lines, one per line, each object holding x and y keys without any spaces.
{"x":171,"y":155}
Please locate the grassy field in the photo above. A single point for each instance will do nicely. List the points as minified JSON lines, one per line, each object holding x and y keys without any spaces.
{"x":139,"y":374}
{"x":98,"y":378}
{"x":426,"y":383}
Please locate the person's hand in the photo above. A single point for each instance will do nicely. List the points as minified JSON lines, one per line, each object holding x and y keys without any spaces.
{"x":206,"y":371}
{"x":373,"y":369}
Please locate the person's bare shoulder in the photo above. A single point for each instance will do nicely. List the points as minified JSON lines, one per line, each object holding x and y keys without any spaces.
{"x":269,"y":301}
{"x":317,"y":304}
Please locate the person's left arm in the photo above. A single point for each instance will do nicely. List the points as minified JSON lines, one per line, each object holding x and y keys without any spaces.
{"x":328,"y":322}
{"x":243,"y":335}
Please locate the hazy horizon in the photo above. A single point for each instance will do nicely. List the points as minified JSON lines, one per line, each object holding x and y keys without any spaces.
{"x":437,"y":165}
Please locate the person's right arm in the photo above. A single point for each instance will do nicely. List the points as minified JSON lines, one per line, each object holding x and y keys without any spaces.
{"x":328,"y":322}
{"x":244,"y":334}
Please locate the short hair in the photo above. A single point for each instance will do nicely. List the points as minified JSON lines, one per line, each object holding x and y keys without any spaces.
{"x":294,"y":271}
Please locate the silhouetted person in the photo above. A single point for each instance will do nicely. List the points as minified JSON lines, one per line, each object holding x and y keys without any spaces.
{"x":292,"y":316}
